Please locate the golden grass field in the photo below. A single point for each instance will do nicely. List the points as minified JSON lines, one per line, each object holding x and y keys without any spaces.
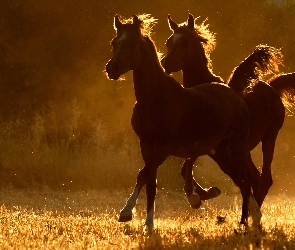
{"x":45,"y":219}
{"x":42,"y":205}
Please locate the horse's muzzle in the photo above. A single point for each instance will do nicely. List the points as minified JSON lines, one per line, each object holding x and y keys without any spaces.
{"x":164,"y":65}
{"x":168,"y":72}
{"x":112,"y":70}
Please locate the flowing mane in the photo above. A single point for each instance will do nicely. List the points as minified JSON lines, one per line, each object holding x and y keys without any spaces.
{"x":147,"y":23}
{"x":264,"y":60}
{"x":206,"y":38}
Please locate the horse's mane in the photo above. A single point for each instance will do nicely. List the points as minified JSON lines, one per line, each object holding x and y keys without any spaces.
{"x":152,"y":47}
{"x":264,"y":60}
{"x":206,"y":38}
{"x":147,"y":23}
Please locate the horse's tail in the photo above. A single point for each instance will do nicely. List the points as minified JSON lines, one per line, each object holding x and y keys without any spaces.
{"x":262,"y":61}
{"x":284,"y":85}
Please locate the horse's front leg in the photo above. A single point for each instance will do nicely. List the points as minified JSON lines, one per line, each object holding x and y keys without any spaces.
{"x":193,"y":199}
{"x":153,"y":155}
{"x":204,"y":193}
{"x":126,"y":213}
{"x":151,"y":191}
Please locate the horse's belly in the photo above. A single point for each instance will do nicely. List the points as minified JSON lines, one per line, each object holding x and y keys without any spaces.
{"x":192,"y":150}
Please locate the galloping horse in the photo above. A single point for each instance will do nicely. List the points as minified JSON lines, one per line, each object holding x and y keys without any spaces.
{"x":172,"y":120}
{"x":188,"y":51}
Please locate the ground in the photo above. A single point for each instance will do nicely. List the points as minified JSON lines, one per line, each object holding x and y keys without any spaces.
{"x":47,"y":219}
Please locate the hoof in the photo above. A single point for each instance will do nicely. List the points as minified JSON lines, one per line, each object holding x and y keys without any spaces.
{"x":213,"y":192}
{"x":195,"y":201}
{"x":241,"y":231}
{"x":209,"y":193}
{"x":148,"y":230}
{"x":255,"y":212}
{"x":124,"y":217}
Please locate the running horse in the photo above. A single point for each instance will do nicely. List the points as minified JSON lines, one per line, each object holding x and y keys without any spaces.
{"x":189,"y":48}
{"x":172,"y":120}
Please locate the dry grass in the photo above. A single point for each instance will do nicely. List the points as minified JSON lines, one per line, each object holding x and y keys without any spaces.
{"x":88,"y":220}
{"x":68,"y":148}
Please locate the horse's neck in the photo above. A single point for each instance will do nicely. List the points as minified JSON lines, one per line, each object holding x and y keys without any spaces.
{"x":148,"y":77}
{"x":197,"y":72}
{"x":238,"y":82}
{"x":191,"y":77}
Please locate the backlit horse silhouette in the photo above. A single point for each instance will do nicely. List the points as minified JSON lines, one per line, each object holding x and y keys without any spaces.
{"x":172,"y":120}
{"x":188,"y":50}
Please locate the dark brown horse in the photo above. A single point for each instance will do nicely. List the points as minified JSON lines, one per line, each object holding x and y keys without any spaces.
{"x":188,"y":51}
{"x":172,"y":120}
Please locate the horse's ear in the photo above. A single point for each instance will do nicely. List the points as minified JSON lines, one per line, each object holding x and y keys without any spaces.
{"x":173,"y":25}
{"x":136,"y":20}
{"x":191,"y":21}
{"x":117,"y":23}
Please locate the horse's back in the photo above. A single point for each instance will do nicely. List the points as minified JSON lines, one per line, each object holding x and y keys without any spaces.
{"x":220,"y":99}
{"x":283,"y":79}
{"x":217,"y":111}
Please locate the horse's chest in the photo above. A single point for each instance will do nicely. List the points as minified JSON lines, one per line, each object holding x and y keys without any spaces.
{"x":152,"y":124}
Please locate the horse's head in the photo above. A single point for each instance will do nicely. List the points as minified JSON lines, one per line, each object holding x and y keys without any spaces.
{"x":187,"y":43}
{"x":126,"y":47}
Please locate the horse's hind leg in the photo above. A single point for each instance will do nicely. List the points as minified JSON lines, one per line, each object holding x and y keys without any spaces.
{"x":205,"y":194}
{"x":241,"y":179}
{"x":268,"y":146}
{"x":193,"y":199}
{"x":239,"y":175}
{"x":234,"y":162}
{"x":254,"y":177}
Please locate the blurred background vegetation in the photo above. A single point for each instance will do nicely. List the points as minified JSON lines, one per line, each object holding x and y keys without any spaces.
{"x":63,"y":124}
